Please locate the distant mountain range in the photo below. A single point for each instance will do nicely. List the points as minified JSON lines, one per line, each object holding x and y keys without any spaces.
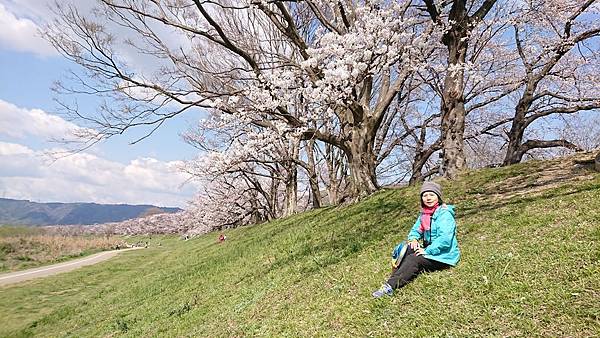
{"x":22,"y":212}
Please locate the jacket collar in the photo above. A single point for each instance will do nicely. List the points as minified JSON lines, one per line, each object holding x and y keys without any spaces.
{"x":438,"y":210}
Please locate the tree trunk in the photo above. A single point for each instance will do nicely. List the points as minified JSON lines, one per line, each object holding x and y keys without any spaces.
{"x":456,"y":39}
{"x":274,"y":200}
{"x":362,"y":163}
{"x":514,"y":154}
{"x":312,"y":175}
{"x":415,"y":178}
{"x":453,"y":128}
{"x":255,"y":217}
{"x":291,"y":182}
{"x":291,"y":193}
{"x":417,"y":169}
{"x":421,"y":157}
{"x":332,"y":179}
{"x":453,"y":105}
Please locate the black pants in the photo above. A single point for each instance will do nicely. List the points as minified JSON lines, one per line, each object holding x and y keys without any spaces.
{"x":412,"y":266}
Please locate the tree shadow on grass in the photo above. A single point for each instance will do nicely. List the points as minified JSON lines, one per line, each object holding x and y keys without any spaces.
{"x":336,"y":234}
{"x":321,"y":238}
{"x":526,"y":200}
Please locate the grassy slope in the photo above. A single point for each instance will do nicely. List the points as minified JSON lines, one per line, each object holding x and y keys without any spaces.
{"x":530,"y":241}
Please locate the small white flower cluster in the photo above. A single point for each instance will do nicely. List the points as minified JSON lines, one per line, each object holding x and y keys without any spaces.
{"x":165,"y":223}
{"x":379,"y":40}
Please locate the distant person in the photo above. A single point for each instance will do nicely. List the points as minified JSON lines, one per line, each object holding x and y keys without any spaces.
{"x":222,"y":238}
{"x":431,"y":244}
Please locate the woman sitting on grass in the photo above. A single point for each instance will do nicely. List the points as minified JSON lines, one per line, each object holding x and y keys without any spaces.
{"x":437,"y":229}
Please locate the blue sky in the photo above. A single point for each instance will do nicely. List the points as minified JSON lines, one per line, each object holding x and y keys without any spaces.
{"x":112,"y":172}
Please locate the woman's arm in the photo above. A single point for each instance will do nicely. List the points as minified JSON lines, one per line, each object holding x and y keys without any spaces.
{"x":414,"y":234}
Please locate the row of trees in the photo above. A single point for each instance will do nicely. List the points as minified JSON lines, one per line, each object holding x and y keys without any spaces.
{"x":318,"y":101}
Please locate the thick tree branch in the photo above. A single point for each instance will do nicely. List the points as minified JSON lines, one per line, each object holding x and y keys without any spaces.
{"x":535,"y":144}
{"x":432,"y":10}
{"x":561,"y":110}
{"x":226,"y":42}
{"x":490,"y":128}
{"x":482,"y":11}
{"x":322,"y":19}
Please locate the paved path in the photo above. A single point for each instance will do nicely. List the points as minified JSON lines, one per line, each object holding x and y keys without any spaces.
{"x":19,"y":276}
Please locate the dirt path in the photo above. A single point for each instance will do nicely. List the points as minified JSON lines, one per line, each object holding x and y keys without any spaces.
{"x":20,"y":276}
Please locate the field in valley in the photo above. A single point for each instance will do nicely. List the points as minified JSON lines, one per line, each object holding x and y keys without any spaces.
{"x":28,"y":247}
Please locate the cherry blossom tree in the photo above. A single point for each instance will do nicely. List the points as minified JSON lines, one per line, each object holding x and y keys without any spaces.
{"x":330,"y":96}
{"x":258,"y":160}
{"x":459,"y":18}
{"x":555,"y":43}
{"x":464,"y":86}
{"x":538,"y":57}
{"x":326,"y":70}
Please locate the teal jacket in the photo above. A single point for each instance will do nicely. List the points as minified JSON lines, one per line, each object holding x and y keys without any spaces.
{"x":443,"y":245}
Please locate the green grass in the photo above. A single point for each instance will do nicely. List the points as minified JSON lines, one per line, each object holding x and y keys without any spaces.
{"x":530,"y":267}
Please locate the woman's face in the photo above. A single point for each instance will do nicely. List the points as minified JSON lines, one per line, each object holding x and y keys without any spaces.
{"x":429,"y":199}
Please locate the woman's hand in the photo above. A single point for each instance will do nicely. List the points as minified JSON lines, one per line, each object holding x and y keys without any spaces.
{"x":414,"y":245}
{"x":419,"y":252}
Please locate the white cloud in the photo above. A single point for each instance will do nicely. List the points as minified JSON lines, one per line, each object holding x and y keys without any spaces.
{"x":7,"y":149}
{"x":20,"y":123}
{"x":21,"y":21}
{"x":83,"y":177}
{"x":21,"y":34}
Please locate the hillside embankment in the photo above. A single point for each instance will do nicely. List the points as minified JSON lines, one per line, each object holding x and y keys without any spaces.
{"x":529,"y":236}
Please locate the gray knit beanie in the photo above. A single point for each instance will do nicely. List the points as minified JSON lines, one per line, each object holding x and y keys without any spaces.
{"x":433,"y":187}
